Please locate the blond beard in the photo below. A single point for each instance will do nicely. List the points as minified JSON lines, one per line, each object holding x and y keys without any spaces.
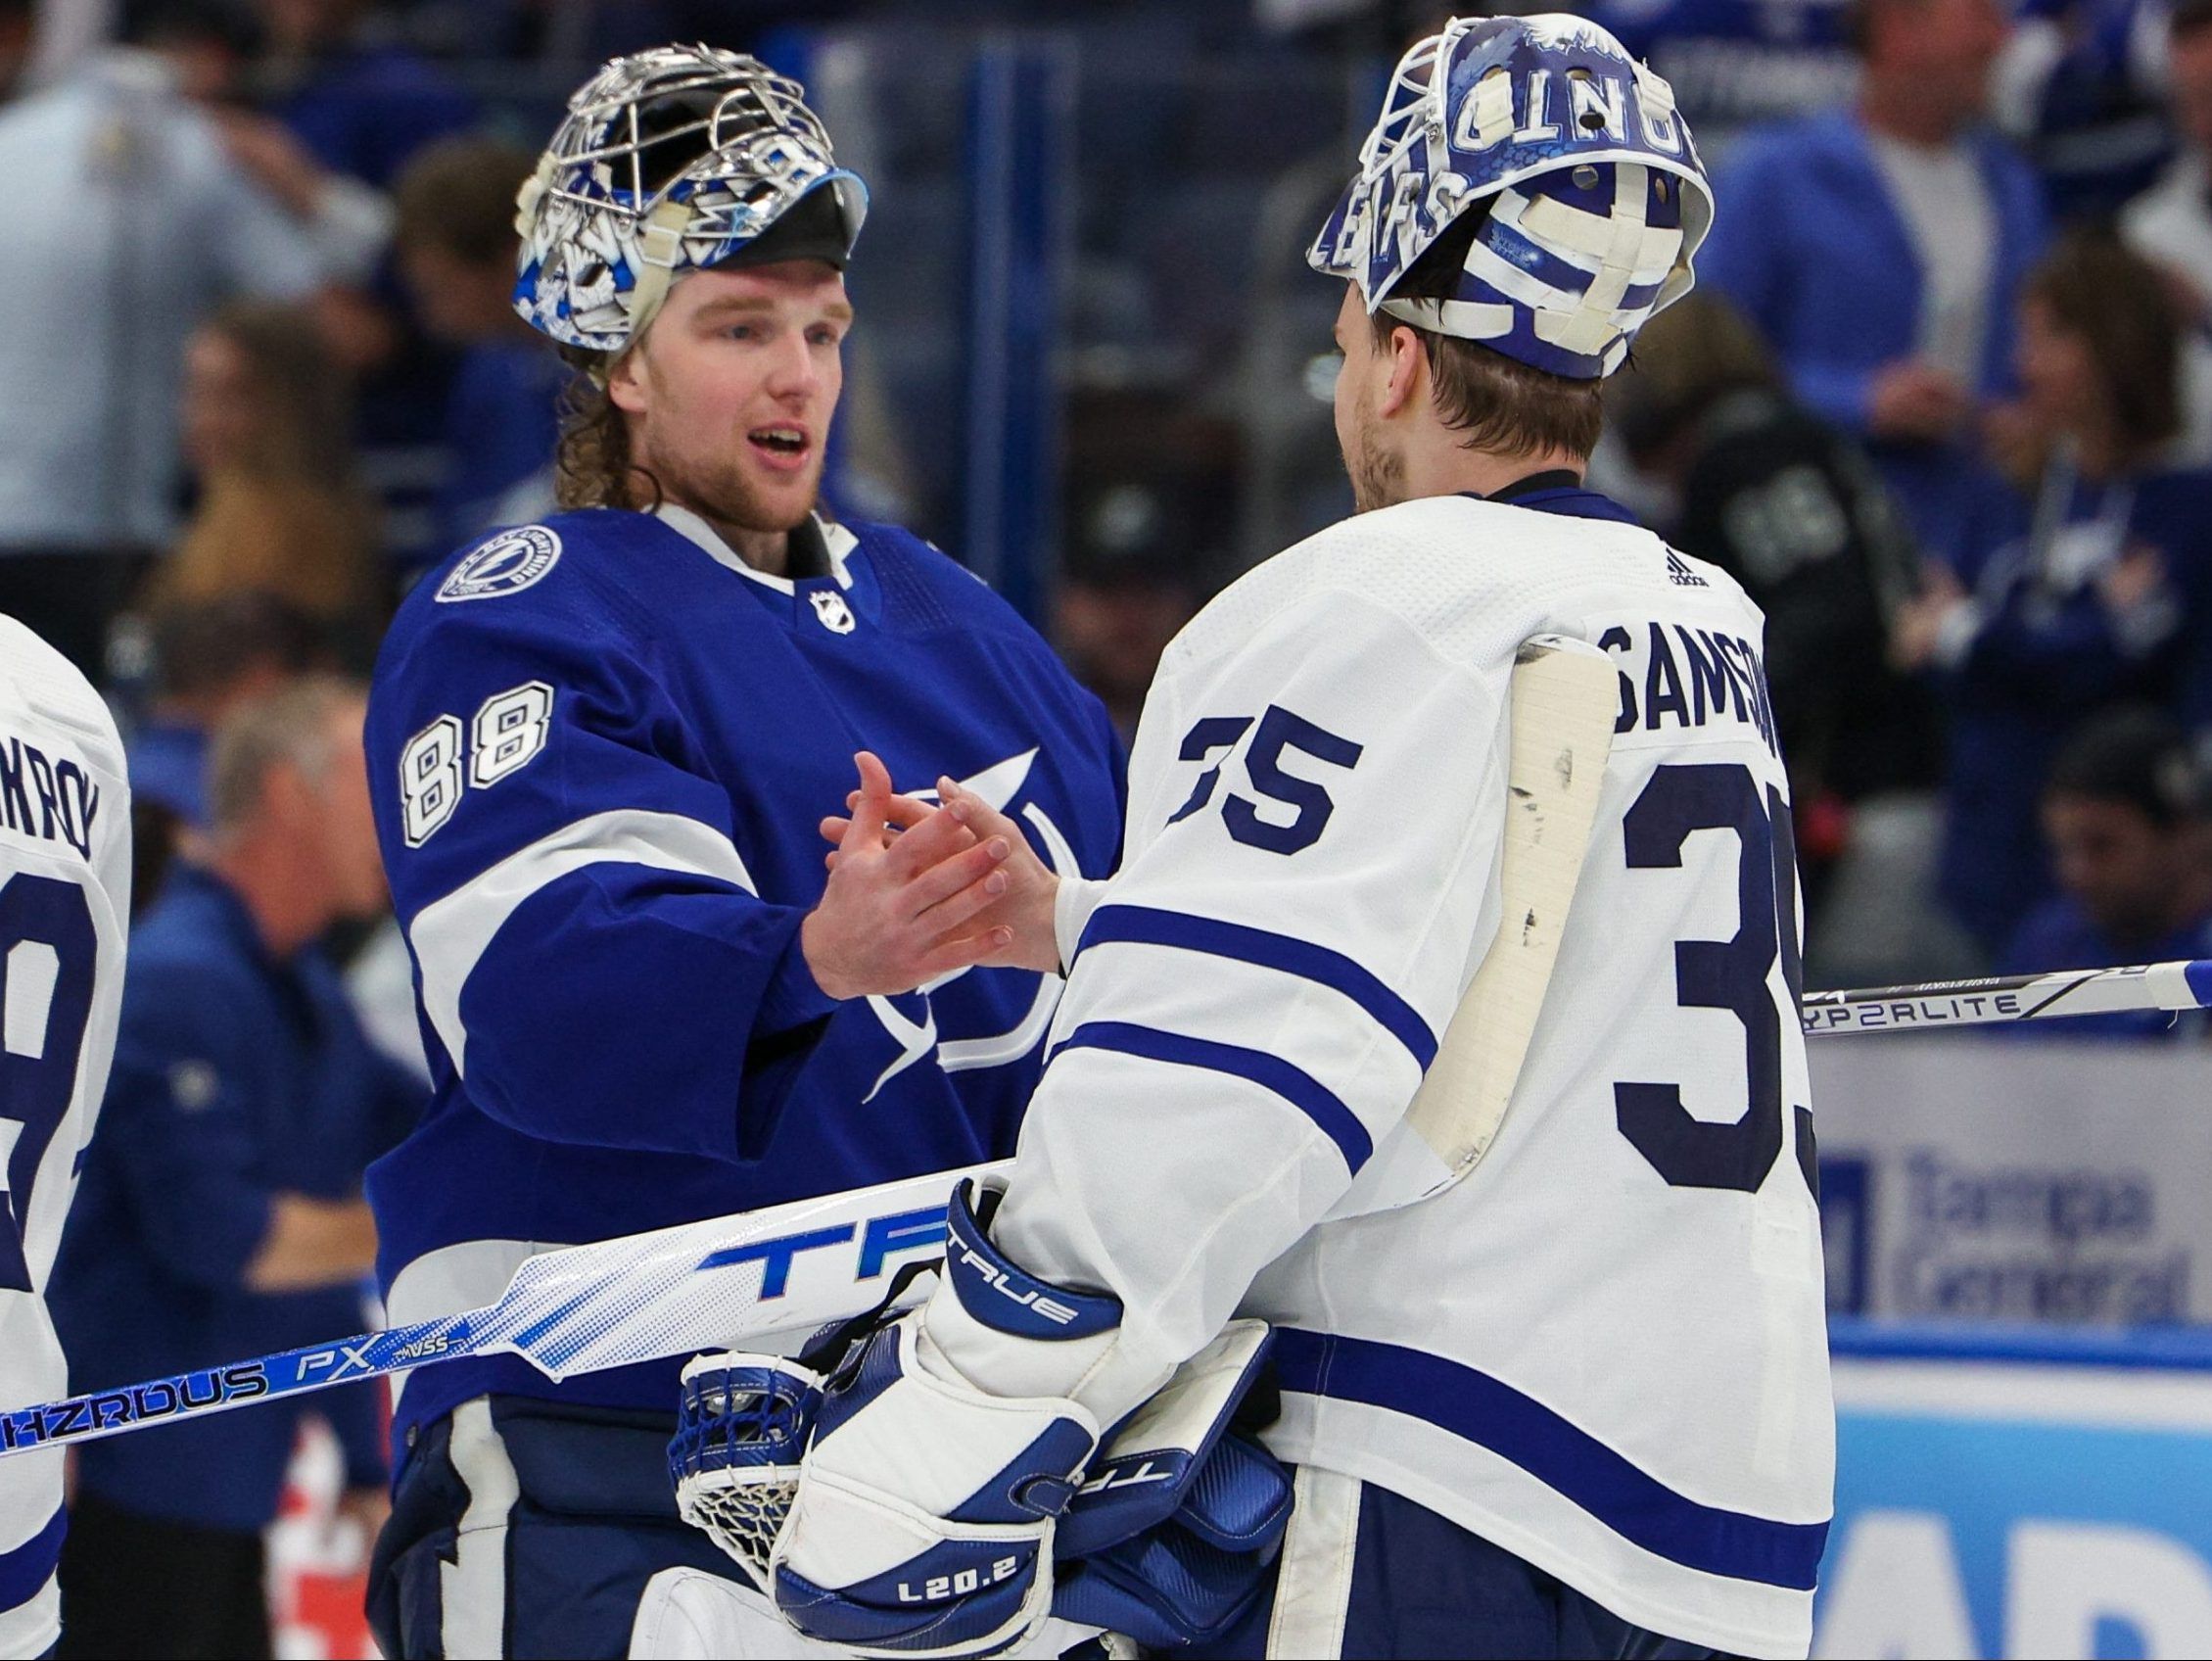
{"x":728,"y":498}
{"x":1377,"y":475}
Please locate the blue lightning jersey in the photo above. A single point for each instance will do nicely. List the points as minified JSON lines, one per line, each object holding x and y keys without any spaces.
{"x":599,"y":749}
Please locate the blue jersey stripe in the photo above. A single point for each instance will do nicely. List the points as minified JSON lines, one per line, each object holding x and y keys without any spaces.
{"x":1149,"y":925}
{"x":1479,"y":1409}
{"x":1270,"y":1073}
{"x":25,"y":1571}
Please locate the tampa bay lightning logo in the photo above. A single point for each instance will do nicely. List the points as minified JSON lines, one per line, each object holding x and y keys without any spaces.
{"x":917,"y":1038}
{"x":509,"y":563}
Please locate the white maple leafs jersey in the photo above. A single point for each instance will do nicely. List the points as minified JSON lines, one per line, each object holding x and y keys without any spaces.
{"x":1605,"y":1350}
{"x":64,"y":906}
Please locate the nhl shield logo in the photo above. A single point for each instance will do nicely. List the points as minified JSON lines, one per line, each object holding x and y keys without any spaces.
{"x":509,"y":563}
{"x":837,"y":616}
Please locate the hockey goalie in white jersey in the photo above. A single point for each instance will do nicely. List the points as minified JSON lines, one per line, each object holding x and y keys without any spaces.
{"x":1570,"y":1399}
{"x":64,"y":904}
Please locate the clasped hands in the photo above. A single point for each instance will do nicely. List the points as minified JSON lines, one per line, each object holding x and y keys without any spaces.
{"x":919,"y":890}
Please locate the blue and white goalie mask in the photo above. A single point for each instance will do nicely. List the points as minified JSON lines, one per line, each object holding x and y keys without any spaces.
{"x":1591,"y":195}
{"x":673,"y":161}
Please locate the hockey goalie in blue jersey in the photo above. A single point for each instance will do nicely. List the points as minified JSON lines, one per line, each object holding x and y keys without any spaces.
{"x":600,"y":748}
{"x":1553,"y":1360}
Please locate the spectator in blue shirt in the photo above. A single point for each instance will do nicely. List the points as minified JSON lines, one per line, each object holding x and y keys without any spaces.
{"x":2124,"y":814}
{"x":456,"y":248}
{"x":208,"y":660}
{"x":360,"y":105}
{"x":1881,"y":249}
{"x":220,"y":1213}
{"x":2079,"y":604}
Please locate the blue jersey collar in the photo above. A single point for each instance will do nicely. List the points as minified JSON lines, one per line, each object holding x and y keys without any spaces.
{"x":1557,"y":490}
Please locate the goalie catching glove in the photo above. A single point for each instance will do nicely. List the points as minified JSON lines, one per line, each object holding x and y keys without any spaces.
{"x":895,"y":1508}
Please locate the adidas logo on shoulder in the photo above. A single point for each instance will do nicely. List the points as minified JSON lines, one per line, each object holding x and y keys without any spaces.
{"x":1678,"y":572}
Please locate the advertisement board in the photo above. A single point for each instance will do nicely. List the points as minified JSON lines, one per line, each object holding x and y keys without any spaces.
{"x":2019,"y":1494}
{"x":1984,"y":1178}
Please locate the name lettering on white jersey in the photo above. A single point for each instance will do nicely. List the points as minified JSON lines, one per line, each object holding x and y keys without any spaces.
{"x":52,"y":799}
{"x":1673,"y":676}
{"x":64,"y":894}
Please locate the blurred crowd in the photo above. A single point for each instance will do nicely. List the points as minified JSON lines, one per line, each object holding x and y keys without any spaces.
{"x":1943,"y":402}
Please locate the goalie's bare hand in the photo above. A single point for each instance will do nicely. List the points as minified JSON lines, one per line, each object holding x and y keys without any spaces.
{"x":1022,"y":912}
{"x":903,"y":910}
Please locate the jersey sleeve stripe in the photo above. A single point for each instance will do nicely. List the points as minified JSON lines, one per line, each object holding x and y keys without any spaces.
{"x":1475,"y":1407}
{"x":1152,"y":926}
{"x":26,"y":1569}
{"x":451,"y":935}
{"x":1272,"y":1073}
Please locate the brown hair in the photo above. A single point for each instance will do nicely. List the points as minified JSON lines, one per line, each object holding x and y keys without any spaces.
{"x":459,"y":196}
{"x":288,"y":517}
{"x":2120,"y":306}
{"x":1856,"y":24}
{"x":2189,"y":17}
{"x":306,"y":398}
{"x":1498,"y":405}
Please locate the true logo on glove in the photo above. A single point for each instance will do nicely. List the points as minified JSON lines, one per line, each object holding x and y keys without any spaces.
{"x":938,"y":1587}
{"x":1052,"y":1308}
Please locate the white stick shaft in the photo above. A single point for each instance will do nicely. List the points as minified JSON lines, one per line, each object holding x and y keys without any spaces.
{"x":791,"y":1268}
{"x":2134,"y":989}
{"x":725,"y":1281}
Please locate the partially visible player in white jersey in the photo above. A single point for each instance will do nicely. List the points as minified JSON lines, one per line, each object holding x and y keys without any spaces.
{"x":1576,"y":1403}
{"x":64,"y":906}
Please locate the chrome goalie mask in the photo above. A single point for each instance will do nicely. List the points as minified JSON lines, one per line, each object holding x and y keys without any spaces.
{"x":669,"y":161}
{"x":1593,"y":196}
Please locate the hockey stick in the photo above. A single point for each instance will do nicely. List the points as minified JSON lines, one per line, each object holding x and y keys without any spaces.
{"x":791,"y":1268}
{"x":2140,"y":988}
{"x":1564,"y":701}
{"x":784,"y":1270}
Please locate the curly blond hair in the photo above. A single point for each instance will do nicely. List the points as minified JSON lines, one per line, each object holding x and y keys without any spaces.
{"x":591,"y":463}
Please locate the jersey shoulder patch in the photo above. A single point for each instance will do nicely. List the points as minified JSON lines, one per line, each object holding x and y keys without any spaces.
{"x":509,"y":563}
